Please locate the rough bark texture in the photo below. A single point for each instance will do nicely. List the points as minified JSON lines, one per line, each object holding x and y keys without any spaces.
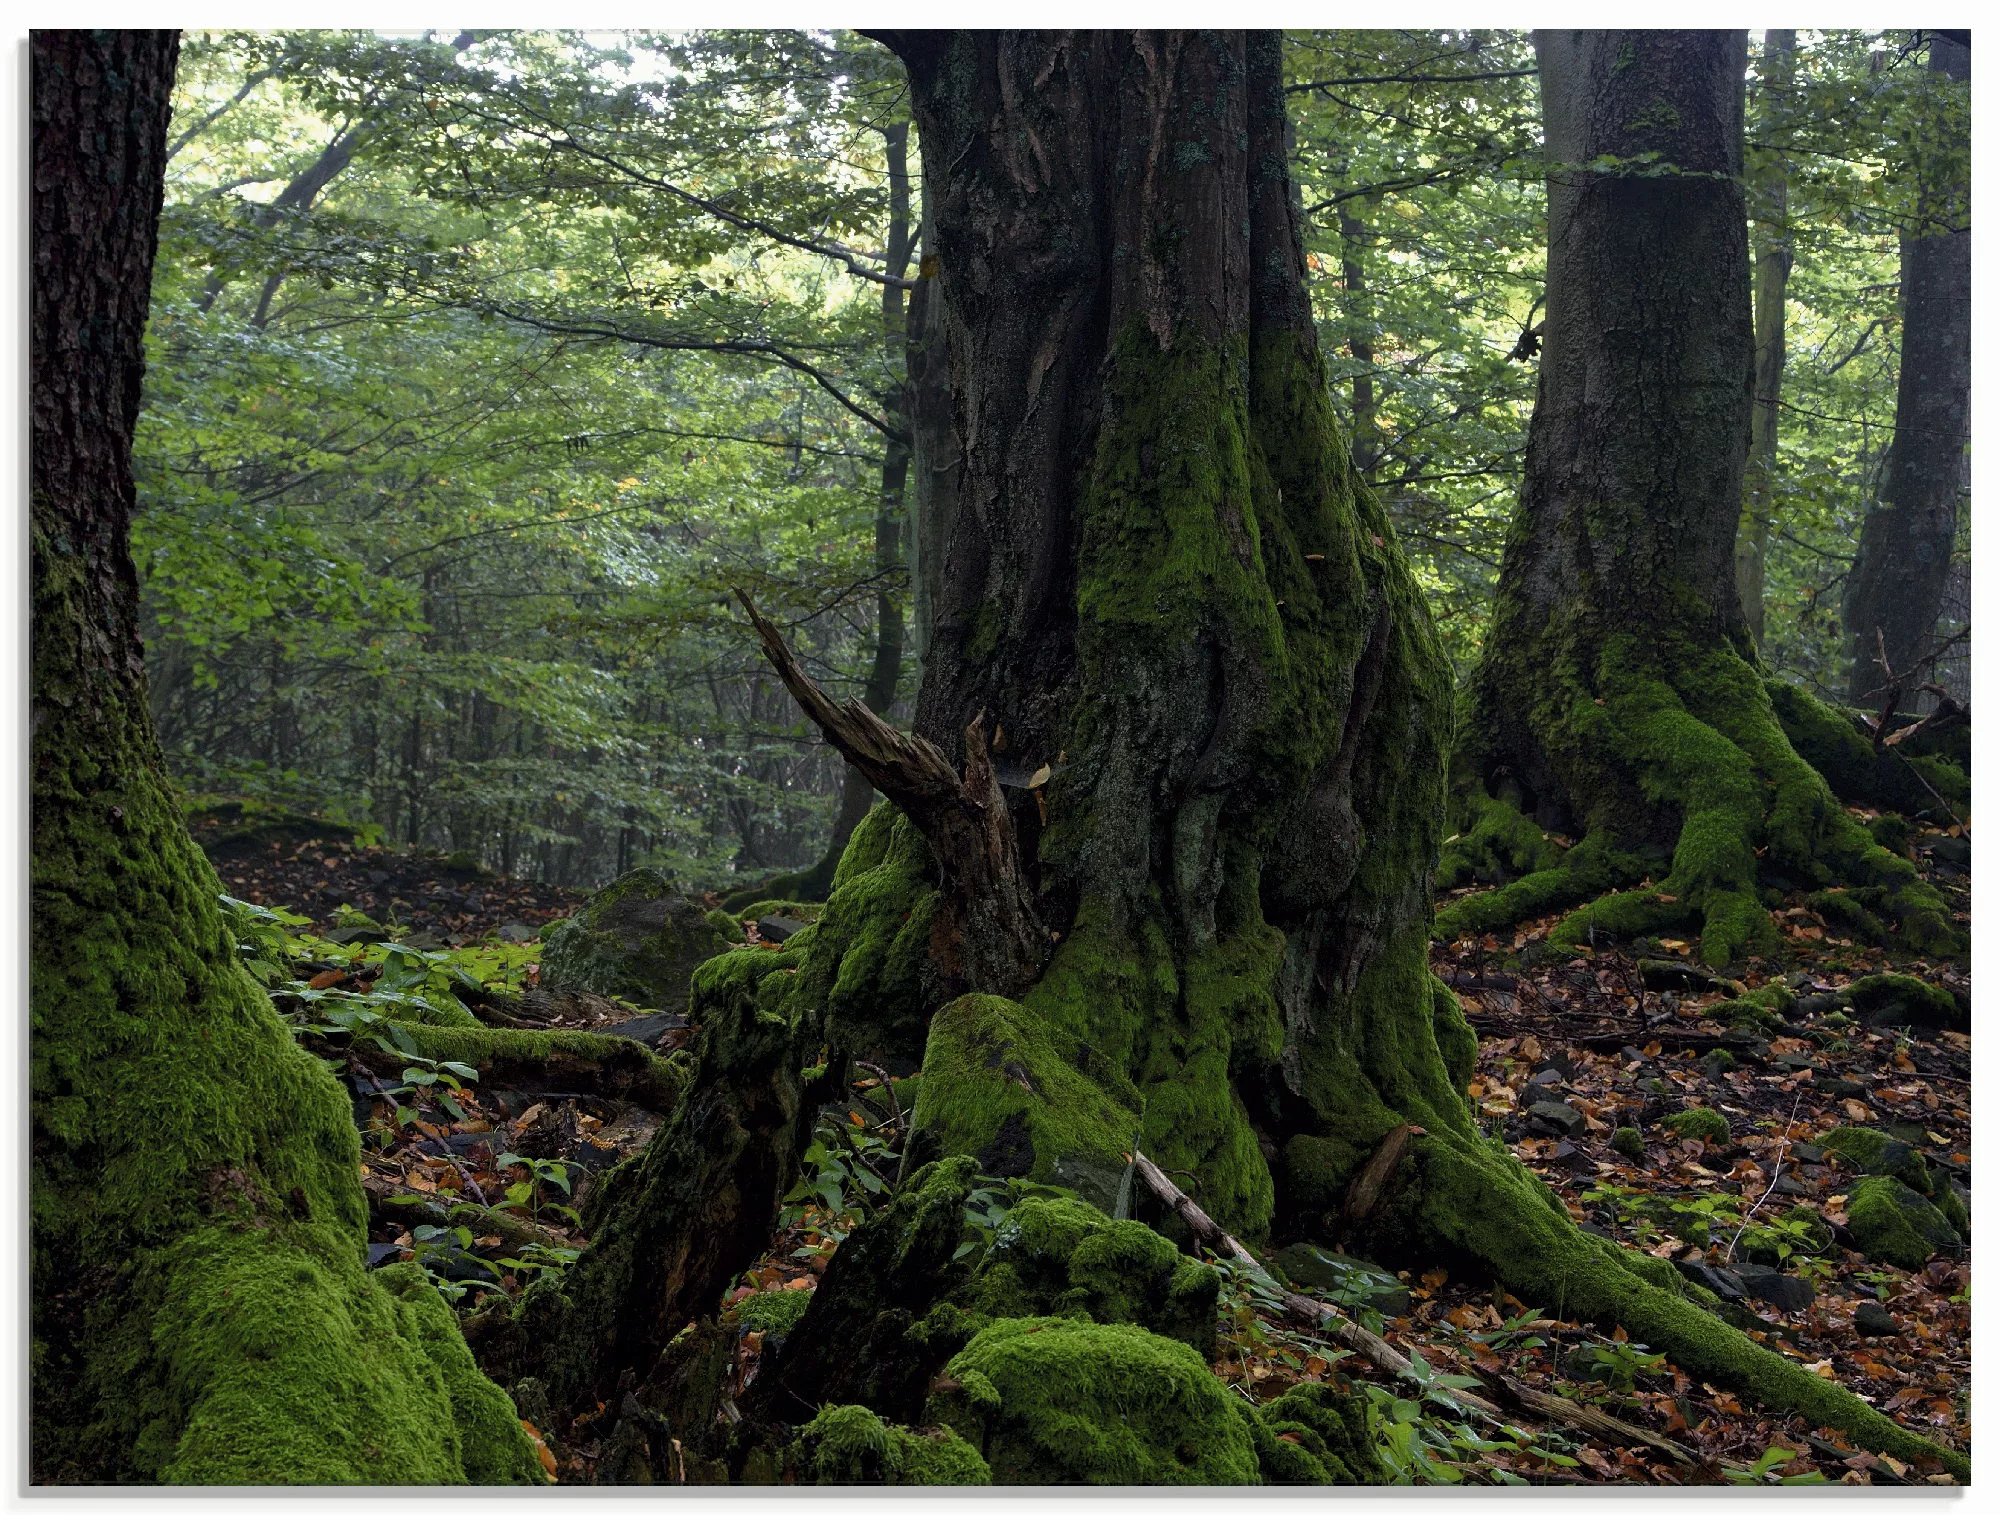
{"x":1771,"y":237}
{"x":1618,"y":697}
{"x":1904,"y":561}
{"x":199,"y":1307}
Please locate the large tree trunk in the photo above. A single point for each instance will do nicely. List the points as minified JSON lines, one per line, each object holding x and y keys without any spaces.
{"x":1904,"y":560}
{"x":198,"y":1302}
{"x":1772,"y":239}
{"x":1166,"y":587}
{"x":1618,"y":697}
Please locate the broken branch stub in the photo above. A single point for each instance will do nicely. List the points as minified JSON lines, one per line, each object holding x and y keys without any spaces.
{"x":989,"y":937}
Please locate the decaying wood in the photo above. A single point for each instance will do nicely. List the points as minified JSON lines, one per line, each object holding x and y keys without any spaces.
{"x":1320,"y":1316}
{"x":624,"y":1070}
{"x":989,"y":937}
{"x":1365,"y":1193}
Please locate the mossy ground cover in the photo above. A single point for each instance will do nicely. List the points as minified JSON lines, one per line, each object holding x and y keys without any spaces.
{"x":1453,"y":1319}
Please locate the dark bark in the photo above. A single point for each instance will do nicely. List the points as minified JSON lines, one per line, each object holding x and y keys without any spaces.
{"x":1904,"y":561}
{"x":1771,"y":237}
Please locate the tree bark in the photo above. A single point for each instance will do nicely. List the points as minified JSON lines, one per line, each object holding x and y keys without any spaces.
{"x":1618,"y":694}
{"x":199,"y":1307}
{"x":1904,"y":560}
{"x":1771,"y":238}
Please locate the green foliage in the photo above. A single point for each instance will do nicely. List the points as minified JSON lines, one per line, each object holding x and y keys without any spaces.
{"x":1700,"y":1124}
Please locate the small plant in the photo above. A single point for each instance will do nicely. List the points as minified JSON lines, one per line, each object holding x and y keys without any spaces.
{"x":437,"y":1248}
{"x":1514,"y":1333}
{"x":1764,"y":1469}
{"x":528,"y":1194}
{"x":1616,"y":1364}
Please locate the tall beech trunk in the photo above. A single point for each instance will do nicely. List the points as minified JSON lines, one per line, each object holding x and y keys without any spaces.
{"x":1904,"y":560}
{"x":1202,"y":932}
{"x":1619,"y":697}
{"x":199,"y":1307}
{"x":1771,"y":239}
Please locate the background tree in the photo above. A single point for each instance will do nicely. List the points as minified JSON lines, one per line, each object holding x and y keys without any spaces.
{"x":1771,"y":245}
{"x":1618,"y":699}
{"x":199,"y":1307}
{"x":1904,"y":561}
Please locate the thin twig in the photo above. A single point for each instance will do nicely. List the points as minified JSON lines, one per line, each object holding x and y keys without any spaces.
{"x":1777,"y":1171}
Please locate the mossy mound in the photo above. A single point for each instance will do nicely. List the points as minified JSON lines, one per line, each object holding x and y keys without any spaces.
{"x":849,"y":1444}
{"x":1699,"y":1124}
{"x":1314,"y":1434}
{"x":1053,"y":1400}
{"x":1063,"y":1257}
{"x":870,"y":962}
{"x":1628,"y":1143}
{"x":1496,"y":843}
{"x":1896,"y":999}
{"x":1025,"y":1100}
{"x":1875,"y":1152}
{"x":1893,"y":1223}
{"x":774,"y":1311}
{"x":638,"y":939}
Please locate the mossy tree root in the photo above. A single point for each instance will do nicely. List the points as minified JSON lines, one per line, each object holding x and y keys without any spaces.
{"x":1479,"y":1202}
{"x":544,"y":1062}
{"x":1694,"y":738}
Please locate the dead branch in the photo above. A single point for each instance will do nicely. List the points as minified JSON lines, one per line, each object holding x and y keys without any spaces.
{"x":992,"y":940}
{"x":1365,"y":1193}
{"x":1317,"y":1315}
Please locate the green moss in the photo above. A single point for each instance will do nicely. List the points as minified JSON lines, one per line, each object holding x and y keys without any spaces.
{"x":848,"y":1444}
{"x":616,"y":1065}
{"x":1893,"y":1223}
{"x":1951,"y":1205}
{"x":639,"y":938}
{"x":1896,"y":998}
{"x":1025,"y":1100}
{"x":1316,"y":1434}
{"x":796,"y":910}
{"x":1063,"y":1257}
{"x":1628,"y":1143}
{"x":1054,"y":1400}
{"x":773,"y":1310}
{"x":1495,"y":842}
{"x":201,"y":1312}
{"x":1830,"y":739}
{"x":1587,"y":870}
{"x":1699,"y":1124}
{"x":1864,"y":1150}
{"x":1457,"y":1042}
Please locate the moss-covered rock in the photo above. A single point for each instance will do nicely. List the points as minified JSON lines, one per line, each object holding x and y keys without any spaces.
{"x":1026,"y":1100}
{"x":1054,"y":1400}
{"x":1699,"y":1124}
{"x":638,"y":939}
{"x":1865,"y":1150}
{"x":849,"y":1444}
{"x":1893,"y":1223}
{"x":1628,"y":1143}
{"x":1896,"y":999}
{"x":1315,"y":1434}
{"x":1063,"y":1257}
{"x":773,"y":1311}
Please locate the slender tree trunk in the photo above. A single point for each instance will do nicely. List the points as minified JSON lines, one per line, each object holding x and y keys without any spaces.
{"x":1904,"y":560}
{"x":1771,"y":240}
{"x":199,"y":1306}
{"x":1360,"y":344}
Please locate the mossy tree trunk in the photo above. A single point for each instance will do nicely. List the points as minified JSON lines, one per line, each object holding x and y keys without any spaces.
{"x":1203,"y":931}
{"x":199,"y":1307}
{"x":1619,"y":697}
{"x":1904,"y":561}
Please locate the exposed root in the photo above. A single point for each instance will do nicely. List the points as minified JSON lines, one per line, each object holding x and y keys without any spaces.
{"x":1481,"y":1203}
{"x":1710,"y":749}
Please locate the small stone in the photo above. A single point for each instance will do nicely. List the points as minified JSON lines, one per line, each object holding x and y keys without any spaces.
{"x":1808,"y":1152}
{"x":776,"y":928}
{"x":1795,"y":1060}
{"x":1818,"y":1004}
{"x":1788,"y":1293}
{"x":1870,"y":1319}
{"x":1838,"y":1086}
{"x":381,"y":1253}
{"x":1548,"y":1078}
{"x":348,"y":936}
{"x":1719,"y":1281}
{"x":515,"y":931}
{"x":1555,"y":1118}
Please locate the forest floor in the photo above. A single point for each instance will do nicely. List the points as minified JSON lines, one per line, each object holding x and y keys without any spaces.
{"x":1571,"y":1050}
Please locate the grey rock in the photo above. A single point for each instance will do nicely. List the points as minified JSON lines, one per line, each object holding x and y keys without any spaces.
{"x":638,"y":939}
{"x":1870,"y":1319}
{"x":1790,"y":1294}
{"x":1555,"y":1117}
{"x":776,"y":928}
{"x":1720,"y":1281}
{"x":515,"y":931}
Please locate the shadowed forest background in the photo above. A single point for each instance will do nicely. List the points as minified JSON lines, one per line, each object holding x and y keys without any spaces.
{"x":1001,"y":757}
